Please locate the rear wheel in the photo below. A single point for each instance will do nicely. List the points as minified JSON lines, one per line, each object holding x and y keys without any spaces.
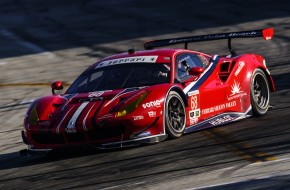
{"x":260,"y":93}
{"x":175,"y":117}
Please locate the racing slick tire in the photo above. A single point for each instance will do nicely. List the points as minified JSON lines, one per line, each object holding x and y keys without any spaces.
{"x":175,"y":117}
{"x":260,"y":93}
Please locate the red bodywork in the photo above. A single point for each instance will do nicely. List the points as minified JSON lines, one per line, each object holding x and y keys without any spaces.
{"x":219,"y":95}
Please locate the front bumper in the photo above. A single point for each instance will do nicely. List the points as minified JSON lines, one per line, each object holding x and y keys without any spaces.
{"x":108,"y":144}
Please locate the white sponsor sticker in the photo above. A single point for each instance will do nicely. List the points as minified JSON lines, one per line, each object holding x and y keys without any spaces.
{"x":193,"y":116}
{"x":221,"y":120}
{"x":155,"y":103}
{"x":193,"y":92}
{"x":152,"y":114}
{"x":219,"y":107}
{"x":137,"y":59}
{"x":139,"y":117}
{"x":236,"y":91}
{"x":145,"y":134}
{"x":241,"y":65}
{"x":95,"y":94}
{"x":193,"y":121}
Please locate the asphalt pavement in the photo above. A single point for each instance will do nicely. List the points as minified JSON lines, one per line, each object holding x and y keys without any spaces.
{"x":44,"y":41}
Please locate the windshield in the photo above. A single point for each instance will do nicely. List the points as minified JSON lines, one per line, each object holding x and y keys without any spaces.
{"x":120,"y":76}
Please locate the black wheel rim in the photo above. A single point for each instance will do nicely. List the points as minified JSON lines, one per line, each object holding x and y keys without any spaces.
{"x":176,"y":114}
{"x":261,"y":93}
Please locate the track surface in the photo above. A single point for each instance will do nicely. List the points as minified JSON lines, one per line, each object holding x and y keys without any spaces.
{"x":49,"y":40}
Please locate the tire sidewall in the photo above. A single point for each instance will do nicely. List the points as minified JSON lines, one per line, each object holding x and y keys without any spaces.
{"x":169,"y":130}
{"x":257,"y":110}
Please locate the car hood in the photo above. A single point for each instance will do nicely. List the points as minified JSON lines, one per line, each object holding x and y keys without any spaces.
{"x":80,"y":111}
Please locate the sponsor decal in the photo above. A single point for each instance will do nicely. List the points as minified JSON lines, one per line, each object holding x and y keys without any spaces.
{"x":221,"y":120}
{"x":193,"y":116}
{"x":155,"y":103}
{"x":234,"y":34}
{"x":145,"y":134}
{"x":152,"y":114}
{"x":205,"y":37}
{"x":95,"y":94}
{"x":235,"y":88}
{"x":193,"y":121}
{"x":194,"y":113}
{"x":139,"y":117}
{"x":236,"y":91}
{"x":219,"y":107}
{"x":241,"y":65}
{"x":193,"y":92}
{"x":137,"y":59}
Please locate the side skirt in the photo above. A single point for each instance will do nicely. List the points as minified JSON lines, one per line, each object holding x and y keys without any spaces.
{"x":219,"y":120}
{"x":134,"y":142}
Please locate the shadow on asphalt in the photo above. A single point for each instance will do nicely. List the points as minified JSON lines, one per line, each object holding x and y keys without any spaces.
{"x":59,"y":25}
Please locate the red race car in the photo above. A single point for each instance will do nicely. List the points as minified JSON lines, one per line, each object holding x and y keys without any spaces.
{"x":147,"y":96}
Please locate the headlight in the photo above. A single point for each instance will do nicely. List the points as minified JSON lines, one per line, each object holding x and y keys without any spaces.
{"x":131,"y":106}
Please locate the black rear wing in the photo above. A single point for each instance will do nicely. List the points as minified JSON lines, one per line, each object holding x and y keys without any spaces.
{"x":267,"y":34}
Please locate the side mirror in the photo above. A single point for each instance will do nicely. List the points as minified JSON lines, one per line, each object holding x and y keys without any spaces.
{"x":56,"y":86}
{"x":196,"y":71}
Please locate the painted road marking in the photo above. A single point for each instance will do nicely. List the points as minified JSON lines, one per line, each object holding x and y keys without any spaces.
{"x":243,"y":150}
{"x":241,"y":181}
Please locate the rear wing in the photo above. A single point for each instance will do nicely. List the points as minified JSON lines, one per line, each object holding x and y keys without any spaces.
{"x":267,"y":34}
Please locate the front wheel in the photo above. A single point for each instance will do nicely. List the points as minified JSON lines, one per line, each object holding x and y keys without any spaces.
{"x":175,"y":117}
{"x":260,"y":93}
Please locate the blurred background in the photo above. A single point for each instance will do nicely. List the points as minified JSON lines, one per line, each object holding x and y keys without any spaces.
{"x":42,"y":41}
{"x":62,"y":37}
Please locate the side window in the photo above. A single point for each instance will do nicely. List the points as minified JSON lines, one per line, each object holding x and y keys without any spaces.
{"x":187,"y":61}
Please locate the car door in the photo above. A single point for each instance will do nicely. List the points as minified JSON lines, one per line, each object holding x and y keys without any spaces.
{"x":206,"y":95}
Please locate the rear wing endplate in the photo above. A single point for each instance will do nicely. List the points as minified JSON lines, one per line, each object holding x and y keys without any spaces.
{"x":267,"y":34}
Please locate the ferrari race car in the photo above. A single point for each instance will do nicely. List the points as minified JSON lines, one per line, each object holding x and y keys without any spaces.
{"x":141,"y":97}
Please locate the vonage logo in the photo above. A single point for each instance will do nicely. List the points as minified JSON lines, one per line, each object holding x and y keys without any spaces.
{"x":155,"y":103}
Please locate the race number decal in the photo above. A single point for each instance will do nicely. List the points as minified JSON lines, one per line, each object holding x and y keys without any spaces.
{"x":193,"y":101}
